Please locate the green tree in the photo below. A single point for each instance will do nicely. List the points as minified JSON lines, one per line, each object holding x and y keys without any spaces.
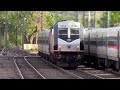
{"x":49,"y":19}
{"x":32,"y":24}
{"x":114,"y":18}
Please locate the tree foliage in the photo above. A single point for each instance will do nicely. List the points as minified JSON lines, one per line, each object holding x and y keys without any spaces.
{"x":32,"y":24}
{"x":114,"y":17}
{"x":49,"y":19}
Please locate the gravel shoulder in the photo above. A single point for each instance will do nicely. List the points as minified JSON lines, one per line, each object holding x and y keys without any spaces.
{"x":8,"y":70}
{"x":48,"y":71}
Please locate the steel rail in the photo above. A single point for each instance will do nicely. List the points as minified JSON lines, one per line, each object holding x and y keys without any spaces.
{"x":72,"y":74}
{"x":34,"y":68}
{"x":19,"y":72}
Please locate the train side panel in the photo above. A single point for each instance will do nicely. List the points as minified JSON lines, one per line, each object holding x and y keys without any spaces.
{"x":107,"y":49}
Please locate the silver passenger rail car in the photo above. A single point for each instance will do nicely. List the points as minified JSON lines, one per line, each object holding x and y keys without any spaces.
{"x":106,"y":47}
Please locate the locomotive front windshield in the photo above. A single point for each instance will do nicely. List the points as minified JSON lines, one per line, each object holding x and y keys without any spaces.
{"x":74,"y":33}
{"x":74,"y":30}
{"x":63,"y":33}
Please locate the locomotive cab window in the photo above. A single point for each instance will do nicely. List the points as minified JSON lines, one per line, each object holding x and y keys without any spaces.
{"x":63,"y":31}
{"x":74,"y":30}
{"x":112,"y":43}
{"x":74,"y":33}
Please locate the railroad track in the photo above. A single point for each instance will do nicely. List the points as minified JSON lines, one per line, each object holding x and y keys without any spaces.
{"x":98,"y":74}
{"x":83,"y":72}
{"x":26,"y":70}
{"x":52,"y":71}
{"x":70,"y":73}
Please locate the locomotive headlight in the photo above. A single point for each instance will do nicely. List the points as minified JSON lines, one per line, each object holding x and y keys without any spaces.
{"x":59,"y":46}
{"x":78,"y":46}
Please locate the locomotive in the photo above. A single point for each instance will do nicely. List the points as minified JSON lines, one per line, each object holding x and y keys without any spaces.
{"x":61,"y":43}
{"x":102,"y":47}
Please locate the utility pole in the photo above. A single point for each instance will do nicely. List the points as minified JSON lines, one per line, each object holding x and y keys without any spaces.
{"x":101,"y":15}
{"x":41,"y":20}
{"x":84,"y":18}
{"x":76,"y":16}
{"x":94,"y":19}
{"x":22,"y":30}
{"x":36,"y":35}
{"x":0,"y":38}
{"x":89,"y":18}
{"x":5,"y":32}
{"x":42,"y":25}
{"x":108,"y":19}
{"x":16,"y":28}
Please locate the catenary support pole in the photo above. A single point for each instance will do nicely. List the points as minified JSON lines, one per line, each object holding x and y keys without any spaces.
{"x":108,"y":19}
{"x":5,"y":31}
{"x":23,"y":31}
{"x":77,"y":16}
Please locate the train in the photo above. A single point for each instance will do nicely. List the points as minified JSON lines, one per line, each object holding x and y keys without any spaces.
{"x":102,"y":48}
{"x":62,"y":44}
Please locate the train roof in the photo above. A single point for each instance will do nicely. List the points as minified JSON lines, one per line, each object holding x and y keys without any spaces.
{"x":66,"y":22}
{"x":103,"y":29}
{"x":109,"y":31}
{"x":95,"y":29}
{"x":44,"y":30}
